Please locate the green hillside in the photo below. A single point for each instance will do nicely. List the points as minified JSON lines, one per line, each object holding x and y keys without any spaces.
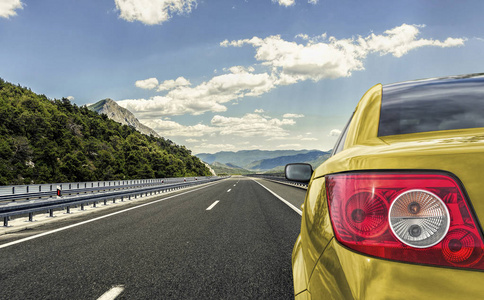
{"x":44,"y":140}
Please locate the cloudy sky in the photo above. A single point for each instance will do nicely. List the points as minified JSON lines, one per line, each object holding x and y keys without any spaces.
{"x":236,"y":74}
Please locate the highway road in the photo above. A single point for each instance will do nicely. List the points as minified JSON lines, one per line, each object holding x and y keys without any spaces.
{"x":231,"y":239}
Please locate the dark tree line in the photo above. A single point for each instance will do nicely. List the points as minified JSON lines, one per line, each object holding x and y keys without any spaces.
{"x":43,"y":140}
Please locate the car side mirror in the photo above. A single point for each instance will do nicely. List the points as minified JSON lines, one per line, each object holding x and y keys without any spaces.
{"x":299,"y":172}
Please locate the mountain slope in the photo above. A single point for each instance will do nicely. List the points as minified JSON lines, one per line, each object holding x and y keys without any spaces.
{"x":229,"y":169}
{"x":268,"y":164}
{"x":121,"y":115}
{"x":43,"y":140}
{"x":244,"y":158}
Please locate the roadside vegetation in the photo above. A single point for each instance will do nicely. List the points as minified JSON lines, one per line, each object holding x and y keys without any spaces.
{"x":44,"y":140}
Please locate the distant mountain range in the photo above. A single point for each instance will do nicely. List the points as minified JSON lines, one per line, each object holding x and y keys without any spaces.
{"x":252,"y":161}
{"x":225,"y":162}
{"x":120,"y":115}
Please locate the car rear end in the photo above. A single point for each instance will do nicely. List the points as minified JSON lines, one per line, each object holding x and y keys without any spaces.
{"x":394,"y":214}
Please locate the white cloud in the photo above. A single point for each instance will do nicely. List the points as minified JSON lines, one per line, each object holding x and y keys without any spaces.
{"x":151,"y":12}
{"x":217,"y":147}
{"x":147,"y":84}
{"x":249,"y":125}
{"x":207,"y":96}
{"x":192,"y":141}
{"x":259,"y":111}
{"x":285,"y":2}
{"x":70,"y":98}
{"x":335,"y":58}
{"x":289,"y":146}
{"x":293,"y":116}
{"x":309,"y":139}
{"x":172,"y":128}
{"x":335,"y":132}
{"x":313,"y":1}
{"x":8,"y":7}
{"x":400,"y":40}
{"x":302,"y":36}
{"x":172,"y":84}
{"x":282,"y":63}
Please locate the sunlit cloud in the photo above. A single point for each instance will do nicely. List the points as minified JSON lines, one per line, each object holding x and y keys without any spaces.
{"x":249,"y":125}
{"x":285,"y":2}
{"x":172,"y":84}
{"x":292,"y":62}
{"x":8,"y":8}
{"x":207,"y":96}
{"x":335,"y":132}
{"x":293,"y":116}
{"x":147,"y":84}
{"x":281,"y":62}
{"x":152,"y":12}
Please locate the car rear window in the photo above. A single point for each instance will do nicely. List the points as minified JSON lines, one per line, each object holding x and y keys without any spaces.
{"x":431,"y":105}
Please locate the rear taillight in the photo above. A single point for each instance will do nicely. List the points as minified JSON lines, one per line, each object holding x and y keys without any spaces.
{"x":418,"y":218}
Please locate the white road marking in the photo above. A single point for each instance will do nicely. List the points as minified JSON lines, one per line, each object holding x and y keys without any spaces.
{"x":282,"y":199}
{"x":229,"y":190}
{"x":98,"y":218}
{"x":213,"y":204}
{"x":234,"y":184}
{"x":112,"y":293}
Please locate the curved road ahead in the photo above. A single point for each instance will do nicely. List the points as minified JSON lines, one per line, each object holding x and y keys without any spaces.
{"x":176,"y":248}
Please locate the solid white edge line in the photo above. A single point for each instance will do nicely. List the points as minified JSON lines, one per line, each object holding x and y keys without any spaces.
{"x":213,"y":204}
{"x":114,"y":292}
{"x":282,"y":199}
{"x":98,"y":218}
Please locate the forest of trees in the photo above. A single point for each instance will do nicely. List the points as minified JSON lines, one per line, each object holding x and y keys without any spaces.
{"x":46,"y":141}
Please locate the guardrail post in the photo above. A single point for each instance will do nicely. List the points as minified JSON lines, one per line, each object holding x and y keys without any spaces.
{"x":68,"y":210}
{"x":114,"y":200}
{"x":5,"y":221}
{"x":94,"y":204}
{"x":82,"y":206}
{"x":31,"y":217}
{"x":105,"y":202}
{"x":51,"y":213}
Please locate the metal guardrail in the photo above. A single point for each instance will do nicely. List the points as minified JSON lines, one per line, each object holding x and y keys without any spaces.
{"x":280,"y":179}
{"x":49,"y":205}
{"x":19,"y":192}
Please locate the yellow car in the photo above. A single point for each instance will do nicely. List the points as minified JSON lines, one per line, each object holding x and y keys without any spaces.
{"x":394,"y":213}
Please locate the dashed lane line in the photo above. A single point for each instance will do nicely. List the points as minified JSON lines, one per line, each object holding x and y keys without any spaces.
{"x":213,"y":204}
{"x":112,"y":293}
{"x":99,"y":218}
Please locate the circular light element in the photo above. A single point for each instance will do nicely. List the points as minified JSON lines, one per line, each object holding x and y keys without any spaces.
{"x":461,"y":247}
{"x":365,"y":214}
{"x":419,"y":218}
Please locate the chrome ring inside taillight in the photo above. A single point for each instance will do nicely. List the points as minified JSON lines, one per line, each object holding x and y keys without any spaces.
{"x":419,"y":218}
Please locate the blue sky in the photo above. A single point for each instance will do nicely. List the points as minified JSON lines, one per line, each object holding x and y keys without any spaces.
{"x":235,"y":74}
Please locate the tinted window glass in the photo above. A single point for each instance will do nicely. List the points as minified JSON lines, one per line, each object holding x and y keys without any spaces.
{"x":340,"y":143}
{"x":430,"y":105}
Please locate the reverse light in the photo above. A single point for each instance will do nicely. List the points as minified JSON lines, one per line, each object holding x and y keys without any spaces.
{"x":419,"y":218}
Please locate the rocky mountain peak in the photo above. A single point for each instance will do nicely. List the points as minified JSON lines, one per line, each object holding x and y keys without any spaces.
{"x":121,"y":115}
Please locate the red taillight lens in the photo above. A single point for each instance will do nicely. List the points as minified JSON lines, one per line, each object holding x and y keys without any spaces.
{"x":419,"y":218}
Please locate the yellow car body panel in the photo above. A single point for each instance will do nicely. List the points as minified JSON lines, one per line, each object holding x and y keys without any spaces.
{"x":344,"y":274}
{"x":334,"y":272}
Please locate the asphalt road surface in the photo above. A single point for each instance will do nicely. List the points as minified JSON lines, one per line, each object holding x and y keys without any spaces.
{"x":188,"y":246}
